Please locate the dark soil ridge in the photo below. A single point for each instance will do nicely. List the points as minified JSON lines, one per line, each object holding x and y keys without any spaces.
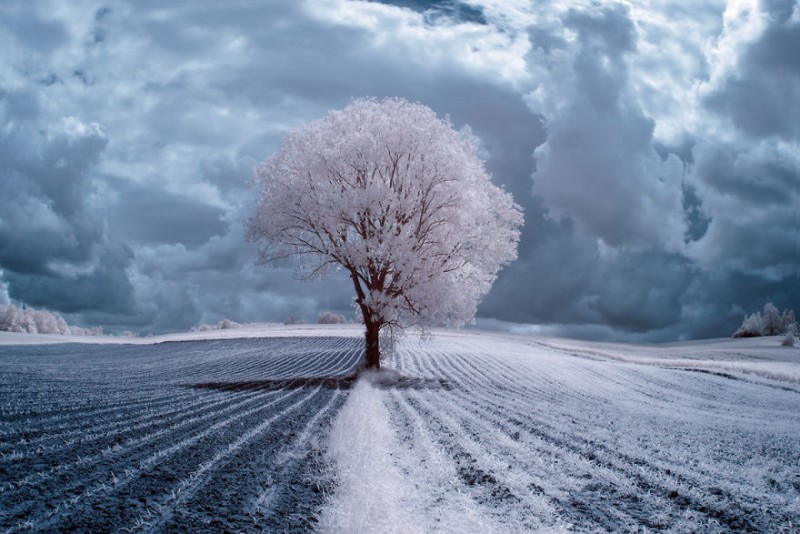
{"x":326,"y":382}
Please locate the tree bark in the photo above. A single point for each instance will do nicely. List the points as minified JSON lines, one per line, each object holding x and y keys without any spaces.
{"x":373,"y":345}
{"x":372,"y":327}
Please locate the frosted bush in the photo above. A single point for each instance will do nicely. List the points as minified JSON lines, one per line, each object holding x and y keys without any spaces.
{"x":771,"y":323}
{"x":752,"y":326}
{"x":331,"y":318}
{"x":225,"y":324}
{"x":33,"y":321}
{"x":788,"y":340}
{"x":790,"y":322}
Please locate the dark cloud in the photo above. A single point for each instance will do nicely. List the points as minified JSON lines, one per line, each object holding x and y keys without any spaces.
{"x":139,"y":216}
{"x":718,"y":300}
{"x":761,"y":96}
{"x":103,"y":287}
{"x":53,"y":249}
{"x":437,"y":9}
{"x":567,"y":280}
{"x":697,"y":220}
{"x":639,"y":291}
{"x":751,"y":193}
{"x":550,"y":281}
{"x":45,"y":210}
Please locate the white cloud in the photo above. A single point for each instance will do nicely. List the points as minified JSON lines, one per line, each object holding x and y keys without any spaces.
{"x":493,"y":51}
{"x":599,"y":166}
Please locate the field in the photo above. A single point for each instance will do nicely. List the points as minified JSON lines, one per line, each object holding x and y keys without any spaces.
{"x":463,"y":432}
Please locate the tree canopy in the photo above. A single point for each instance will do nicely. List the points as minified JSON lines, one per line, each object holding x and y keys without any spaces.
{"x":395,"y":196}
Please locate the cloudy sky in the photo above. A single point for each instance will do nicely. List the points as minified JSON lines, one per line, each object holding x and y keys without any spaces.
{"x":654,"y":146}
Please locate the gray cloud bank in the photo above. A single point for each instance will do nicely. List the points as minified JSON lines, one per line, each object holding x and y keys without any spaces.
{"x":655,"y":150}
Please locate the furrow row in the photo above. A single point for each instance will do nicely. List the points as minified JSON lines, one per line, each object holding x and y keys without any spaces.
{"x":153,"y":465}
{"x":126,"y":446}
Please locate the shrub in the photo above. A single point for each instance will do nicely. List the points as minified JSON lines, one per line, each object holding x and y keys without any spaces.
{"x":752,"y":326}
{"x":789,"y":322}
{"x":33,"y":321}
{"x":771,"y":323}
{"x":331,"y":318}
{"x":292,"y":320}
{"x":788,"y":341}
{"x":225,"y":324}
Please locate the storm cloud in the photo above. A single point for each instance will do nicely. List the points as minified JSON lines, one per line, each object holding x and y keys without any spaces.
{"x":652,"y":146}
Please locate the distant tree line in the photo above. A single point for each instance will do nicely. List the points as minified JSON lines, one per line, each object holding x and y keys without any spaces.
{"x":769,"y":323}
{"x":31,"y":321}
{"x":325,"y":317}
{"x":225,"y":324}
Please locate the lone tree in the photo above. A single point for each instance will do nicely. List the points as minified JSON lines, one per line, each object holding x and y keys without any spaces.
{"x":393,"y":195}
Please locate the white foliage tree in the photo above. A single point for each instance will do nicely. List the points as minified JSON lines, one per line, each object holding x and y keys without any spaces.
{"x":225,"y":324}
{"x":328,"y":317}
{"x":788,"y":339}
{"x":752,"y":326}
{"x":790,"y":322}
{"x":393,"y":195}
{"x":33,"y":321}
{"x":772,"y":321}
{"x":9,"y":321}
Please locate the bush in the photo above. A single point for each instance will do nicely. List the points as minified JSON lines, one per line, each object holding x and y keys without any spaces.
{"x":225,"y":324}
{"x":752,"y":326}
{"x":771,"y":323}
{"x":32,"y":321}
{"x":788,"y":341}
{"x":331,"y":318}
{"x":789,"y":322}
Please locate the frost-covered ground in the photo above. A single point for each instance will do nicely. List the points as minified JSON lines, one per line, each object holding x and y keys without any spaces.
{"x":486,"y":433}
{"x":469,"y":432}
{"x":196,"y":436}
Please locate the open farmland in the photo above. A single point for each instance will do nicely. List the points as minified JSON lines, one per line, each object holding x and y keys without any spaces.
{"x":469,"y":433}
{"x":197,"y":435}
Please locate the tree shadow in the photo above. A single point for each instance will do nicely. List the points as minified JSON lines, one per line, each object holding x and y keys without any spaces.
{"x":326,"y":382}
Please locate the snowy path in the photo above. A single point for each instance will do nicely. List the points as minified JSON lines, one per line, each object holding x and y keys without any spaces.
{"x":526,"y":437}
{"x":193,"y":436}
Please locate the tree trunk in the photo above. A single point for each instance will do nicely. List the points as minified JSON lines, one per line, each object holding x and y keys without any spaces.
{"x":373,"y":327}
{"x":373,"y":345}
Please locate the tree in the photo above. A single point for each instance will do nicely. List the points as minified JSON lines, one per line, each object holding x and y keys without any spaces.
{"x":32,"y":321}
{"x":788,"y":339}
{"x":772,"y":323}
{"x":752,"y":326}
{"x":789,"y":322}
{"x":772,"y":320}
{"x":328,"y":317}
{"x":391,"y":194}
